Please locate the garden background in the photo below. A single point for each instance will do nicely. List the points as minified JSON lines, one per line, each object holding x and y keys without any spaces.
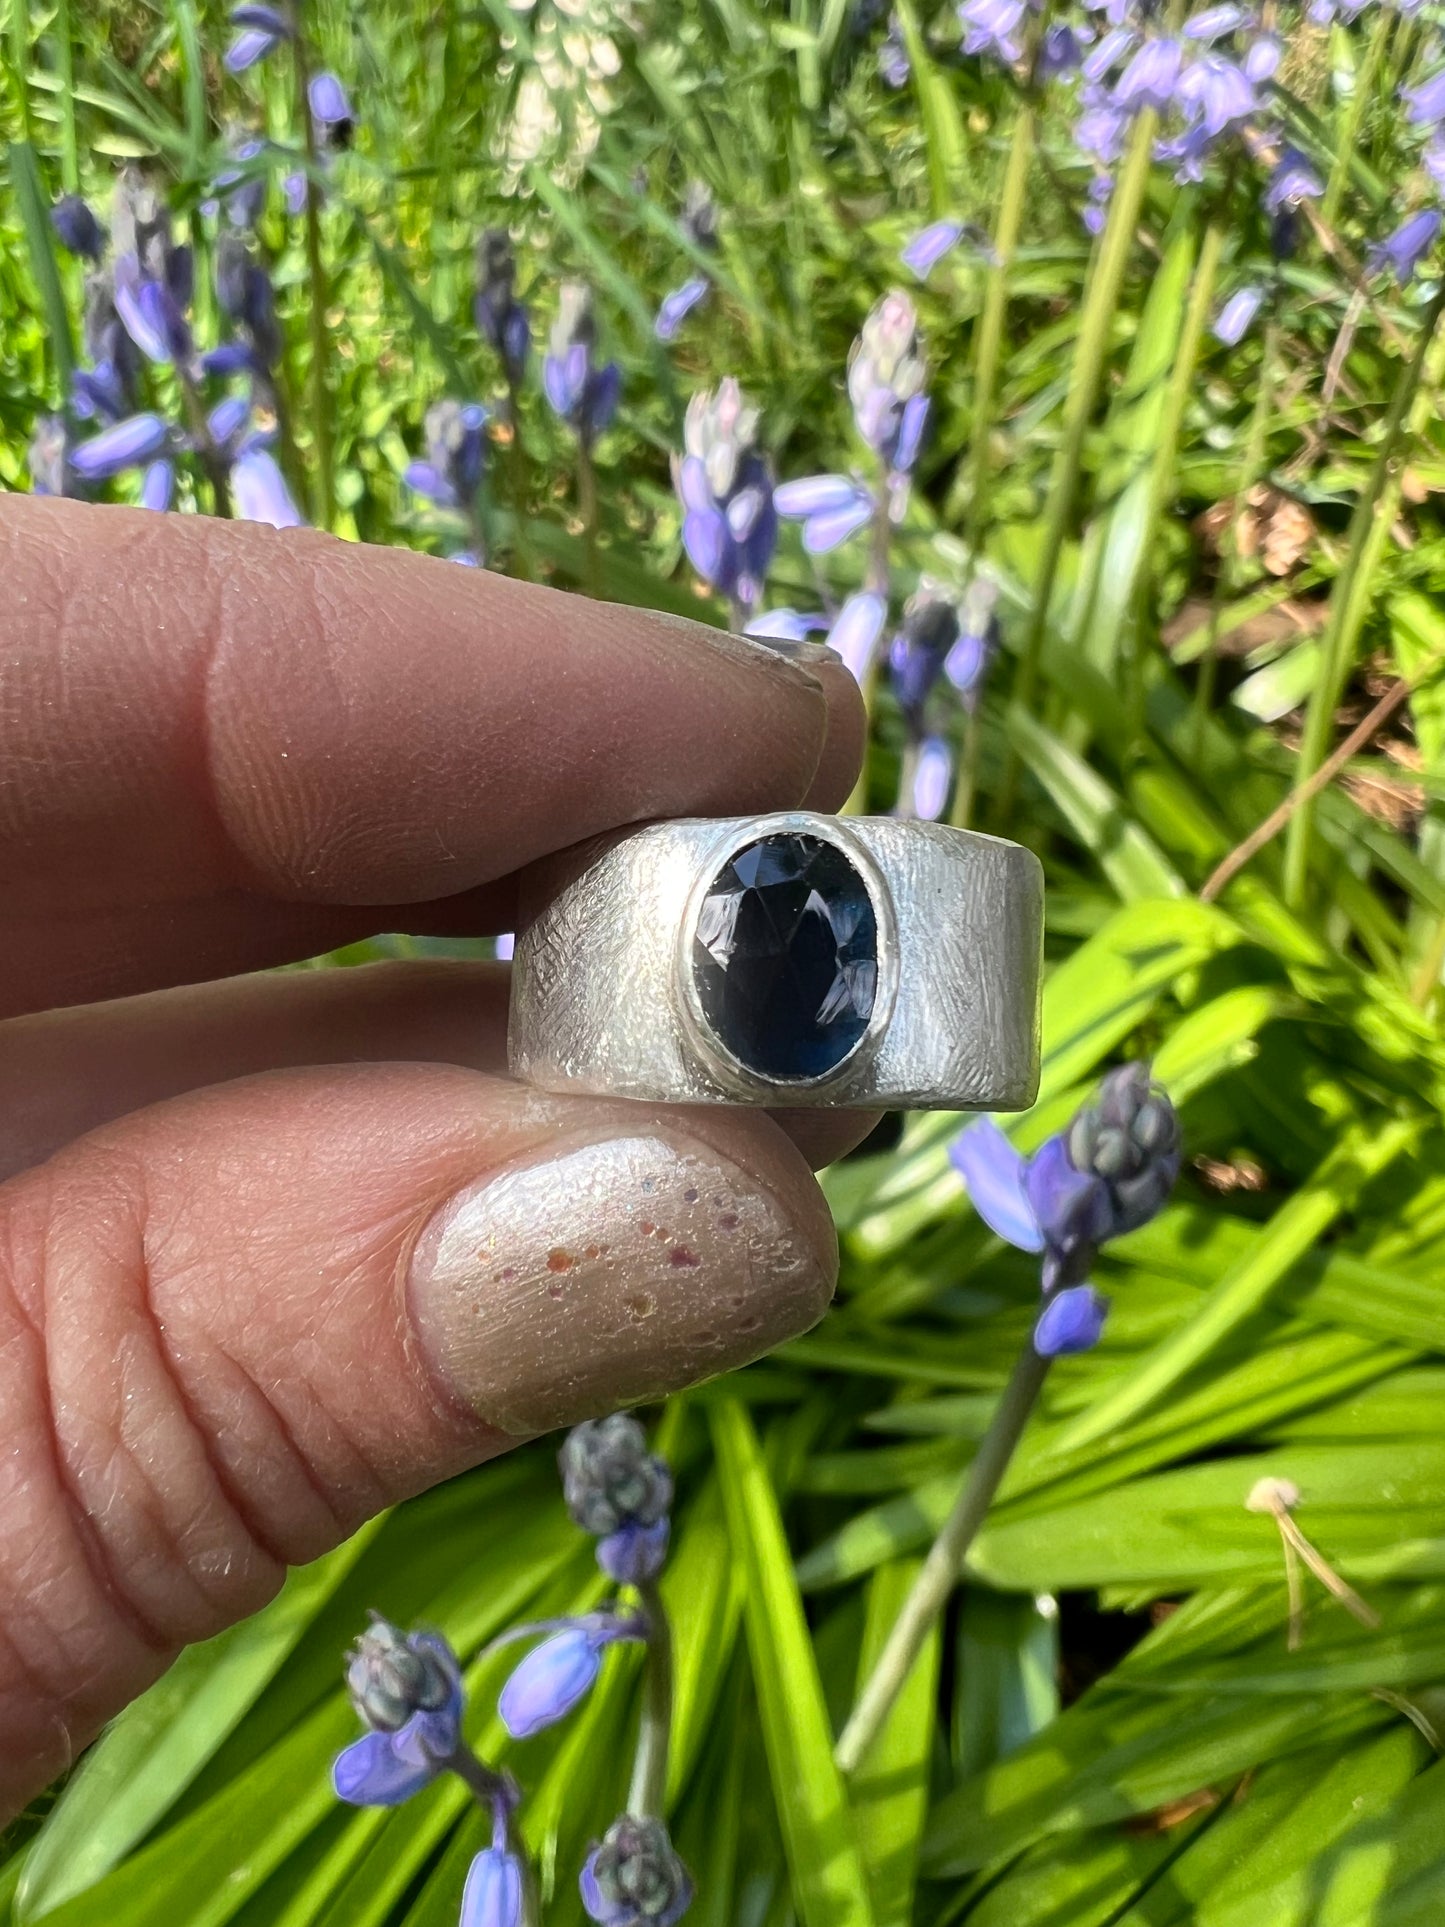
{"x":1200,"y":550}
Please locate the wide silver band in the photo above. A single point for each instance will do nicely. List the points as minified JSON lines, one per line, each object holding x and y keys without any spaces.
{"x":604,"y":999}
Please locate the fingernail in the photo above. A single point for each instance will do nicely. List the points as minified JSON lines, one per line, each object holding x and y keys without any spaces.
{"x":803,"y":653}
{"x":605,"y":1273}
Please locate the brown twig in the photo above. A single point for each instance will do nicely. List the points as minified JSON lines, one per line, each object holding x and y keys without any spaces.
{"x":1328,"y":770}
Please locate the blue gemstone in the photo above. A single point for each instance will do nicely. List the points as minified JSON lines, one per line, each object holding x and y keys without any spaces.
{"x":785,"y":958}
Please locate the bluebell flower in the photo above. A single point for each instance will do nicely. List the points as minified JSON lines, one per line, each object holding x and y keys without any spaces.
{"x":894,"y":65}
{"x":609,"y":1477}
{"x":1217,"y":92}
{"x":1096,"y":210}
{"x":1215,"y":22}
{"x":407,"y":1687}
{"x":1291,"y":181}
{"x":559,"y":1673}
{"x":918,"y":651}
{"x":1403,"y":251}
{"x":501,"y":318}
{"x":330,"y":110}
{"x":1061,"y":51}
{"x":698,"y":222}
{"x":245,"y":296}
{"x":677,"y":306}
{"x":634,"y":1877}
{"x":1151,"y":77}
{"x":1233,"y":321}
{"x":1110,"y":1172}
{"x":295,"y":192}
{"x":584,"y":395}
{"x":730,"y":527}
{"x":928,"y":247}
{"x":830,"y":507}
{"x":259,"y":31}
{"x":1099,"y":131}
{"x":492,"y":1896}
{"x":154,"y":321}
{"x":992,"y":27}
{"x":1262,"y":57}
{"x":1111,"y":50}
{"x":125,"y":444}
{"x":259,"y":492}
{"x":1426,"y":102}
{"x":243,"y":188}
{"x":77,"y":228}
{"x":1071,"y":1321}
{"x":456,"y":452}
{"x":787,"y":625}
{"x":968,"y":662}
{"x":157,"y":486}
{"x":932,"y":779}
{"x":886,"y":380}
{"x":855,"y":634}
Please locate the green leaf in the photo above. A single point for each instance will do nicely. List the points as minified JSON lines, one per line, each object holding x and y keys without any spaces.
{"x":890,"y":1789}
{"x":829,"y":1885}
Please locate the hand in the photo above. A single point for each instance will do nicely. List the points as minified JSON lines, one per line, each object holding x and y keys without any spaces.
{"x":277,"y":1251}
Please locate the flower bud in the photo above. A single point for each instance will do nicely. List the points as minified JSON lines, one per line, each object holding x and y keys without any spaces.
{"x":77,"y":228}
{"x":886,"y":377}
{"x":610,"y":1479}
{"x":392,"y":1675}
{"x":1071,"y":1321}
{"x":1128,"y":1138}
{"x":635,"y":1878}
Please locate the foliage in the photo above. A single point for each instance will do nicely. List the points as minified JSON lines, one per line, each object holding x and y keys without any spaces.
{"x":1202,"y":551}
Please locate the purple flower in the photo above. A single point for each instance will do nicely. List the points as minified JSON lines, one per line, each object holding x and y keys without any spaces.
{"x":730,"y":527}
{"x":128,"y":444}
{"x":1262,"y":58}
{"x":1061,"y":51}
{"x":992,"y":27}
{"x":893,"y":63}
{"x":492,"y":1896}
{"x":1426,"y":102}
{"x":555,"y":1676}
{"x":1403,"y":251}
{"x":157,"y":486}
{"x":1107,"y":55}
{"x":1109,"y":1173}
{"x":1071,"y":1321}
{"x":1218,"y":92}
{"x":245,"y":295}
{"x":886,"y":377}
{"x":1150,"y":78}
{"x":788,"y":625}
{"x":634,"y":1553}
{"x":295,"y":191}
{"x":77,"y":228}
{"x":1215,"y":22}
{"x":932,"y":779}
{"x":330,"y":109}
{"x":967,"y":663}
{"x":260,"y":30}
{"x":609,"y":1478}
{"x":154,"y":321}
{"x":1291,"y":181}
{"x":634,"y":1877}
{"x":99,"y":393}
{"x":243,"y":187}
{"x":928,"y":247}
{"x":1233,"y":321}
{"x":456,"y":449}
{"x":830,"y":507}
{"x":678,"y":305}
{"x":1096,"y":213}
{"x":408,"y":1689}
{"x":579,"y":391}
{"x":259,"y":492}
{"x":855,"y":634}
{"x":501,"y":318}
{"x":1099,"y":131}
{"x":928,"y":632}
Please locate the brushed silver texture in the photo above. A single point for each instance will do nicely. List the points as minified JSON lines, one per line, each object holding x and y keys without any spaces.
{"x":602,"y":998}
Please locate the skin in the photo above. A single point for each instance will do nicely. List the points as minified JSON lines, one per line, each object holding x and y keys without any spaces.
{"x":227,"y":748}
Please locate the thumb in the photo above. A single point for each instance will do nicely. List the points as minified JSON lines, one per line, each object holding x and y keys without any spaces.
{"x":234,"y":1325}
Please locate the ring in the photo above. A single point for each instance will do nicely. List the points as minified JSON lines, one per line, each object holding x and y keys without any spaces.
{"x":787,"y":959}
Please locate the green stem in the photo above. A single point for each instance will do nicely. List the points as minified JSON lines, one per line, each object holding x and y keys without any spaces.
{"x":323,"y":494}
{"x":495,"y":1791}
{"x":649,"y":1771}
{"x":990,"y":327}
{"x":942,"y":1567}
{"x":65,"y":74}
{"x":587,"y":512}
{"x":1350,"y":600}
{"x":1090,"y":359}
{"x":875,"y":579}
{"x":1354,"y":116}
{"x":966,"y":783}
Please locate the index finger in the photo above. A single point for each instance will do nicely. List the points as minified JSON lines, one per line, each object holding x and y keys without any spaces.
{"x":212,"y":728}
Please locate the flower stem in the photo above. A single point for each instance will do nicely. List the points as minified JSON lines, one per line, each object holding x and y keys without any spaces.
{"x":649,"y":1771}
{"x":990,"y":327}
{"x":1360,"y":99}
{"x":875,"y":579}
{"x":323,"y":495}
{"x":587,"y":512}
{"x":966,"y":783}
{"x":944,"y":1563}
{"x":1349,"y":600}
{"x":496,"y":1794}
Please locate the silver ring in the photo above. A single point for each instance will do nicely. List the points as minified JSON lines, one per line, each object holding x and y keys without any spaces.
{"x":789,"y":959}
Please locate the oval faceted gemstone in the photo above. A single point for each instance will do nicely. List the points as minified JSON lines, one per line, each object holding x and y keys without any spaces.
{"x":786,"y":957}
